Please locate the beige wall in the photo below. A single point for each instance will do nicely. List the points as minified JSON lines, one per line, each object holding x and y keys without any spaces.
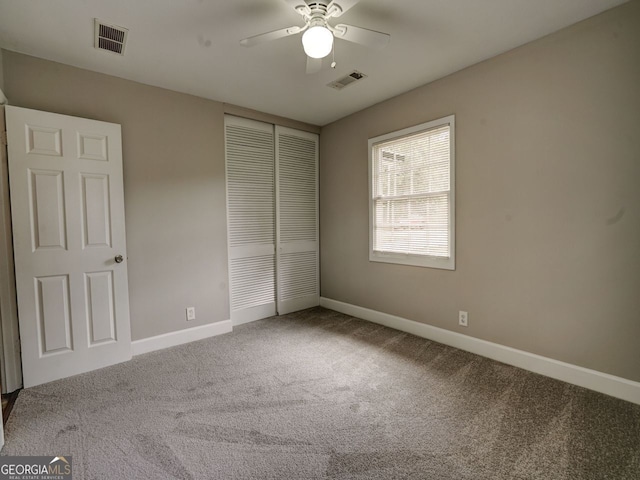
{"x":1,"y":72}
{"x":548,"y":199}
{"x":174,"y":182}
{"x":173,"y":150}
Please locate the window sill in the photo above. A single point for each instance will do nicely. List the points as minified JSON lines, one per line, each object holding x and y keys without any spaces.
{"x":414,"y":260}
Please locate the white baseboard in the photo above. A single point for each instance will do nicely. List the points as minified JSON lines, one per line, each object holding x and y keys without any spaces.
{"x":252,"y":314}
{"x":138,"y":347}
{"x":600,"y":382}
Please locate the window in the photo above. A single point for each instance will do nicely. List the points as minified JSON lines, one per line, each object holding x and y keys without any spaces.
{"x":411,"y":204}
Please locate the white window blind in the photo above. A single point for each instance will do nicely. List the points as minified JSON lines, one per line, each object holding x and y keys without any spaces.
{"x":412,"y":195}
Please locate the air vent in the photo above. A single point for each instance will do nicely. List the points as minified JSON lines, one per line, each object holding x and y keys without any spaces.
{"x":348,"y":80}
{"x":110,"y":37}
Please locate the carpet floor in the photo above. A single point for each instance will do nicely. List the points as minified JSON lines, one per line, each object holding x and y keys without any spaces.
{"x":318,"y":394}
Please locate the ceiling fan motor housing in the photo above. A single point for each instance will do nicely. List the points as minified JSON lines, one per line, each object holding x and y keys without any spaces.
{"x":320,"y":10}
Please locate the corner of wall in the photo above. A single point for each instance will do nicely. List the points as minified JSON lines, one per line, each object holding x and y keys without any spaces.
{"x":1,"y":71}
{"x":2,"y":97}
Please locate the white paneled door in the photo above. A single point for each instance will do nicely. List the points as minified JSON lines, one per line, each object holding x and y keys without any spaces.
{"x":67,"y":207}
{"x":272,"y":198}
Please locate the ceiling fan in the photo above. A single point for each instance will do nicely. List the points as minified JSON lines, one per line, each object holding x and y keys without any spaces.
{"x":318,"y":36}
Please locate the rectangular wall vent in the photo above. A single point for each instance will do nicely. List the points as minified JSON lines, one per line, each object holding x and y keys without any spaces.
{"x":347,"y":80}
{"x":110,"y":37}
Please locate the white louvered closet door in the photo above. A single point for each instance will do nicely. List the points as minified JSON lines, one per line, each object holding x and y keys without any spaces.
{"x":297,"y":219}
{"x":250,"y":161}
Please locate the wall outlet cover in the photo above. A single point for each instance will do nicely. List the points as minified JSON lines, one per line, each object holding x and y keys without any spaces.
{"x":463,"y":318}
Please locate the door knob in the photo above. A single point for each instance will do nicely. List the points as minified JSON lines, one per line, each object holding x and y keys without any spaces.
{"x":119,"y":259}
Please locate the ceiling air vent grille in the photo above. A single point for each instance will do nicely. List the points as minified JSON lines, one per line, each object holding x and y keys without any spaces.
{"x":110,"y":37}
{"x":348,"y":80}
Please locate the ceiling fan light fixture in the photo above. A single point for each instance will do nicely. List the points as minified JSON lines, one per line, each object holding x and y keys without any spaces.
{"x":317,"y":41}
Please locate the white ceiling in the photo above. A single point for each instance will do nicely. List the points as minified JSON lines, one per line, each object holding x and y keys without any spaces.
{"x":192,"y":46}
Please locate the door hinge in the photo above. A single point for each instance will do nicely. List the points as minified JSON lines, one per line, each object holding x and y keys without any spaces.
{"x":3,"y":140}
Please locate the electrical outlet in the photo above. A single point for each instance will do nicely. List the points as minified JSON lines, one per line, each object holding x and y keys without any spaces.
{"x":463,"y":318}
{"x":191,"y":313}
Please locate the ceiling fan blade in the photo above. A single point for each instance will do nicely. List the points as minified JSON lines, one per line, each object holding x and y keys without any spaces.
{"x":314,"y":65}
{"x":343,"y":5}
{"x":363,"y":36}
{"x":298,"y":5}
{"x":267,"y":37}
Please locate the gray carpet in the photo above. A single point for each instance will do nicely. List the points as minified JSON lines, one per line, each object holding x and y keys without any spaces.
{"x":318,"y":394}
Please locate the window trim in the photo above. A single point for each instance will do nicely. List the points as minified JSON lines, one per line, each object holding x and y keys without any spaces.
{"x":413,"y":259}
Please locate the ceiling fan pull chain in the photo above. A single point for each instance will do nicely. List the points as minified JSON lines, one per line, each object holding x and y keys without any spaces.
{"x":333,"y":53}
